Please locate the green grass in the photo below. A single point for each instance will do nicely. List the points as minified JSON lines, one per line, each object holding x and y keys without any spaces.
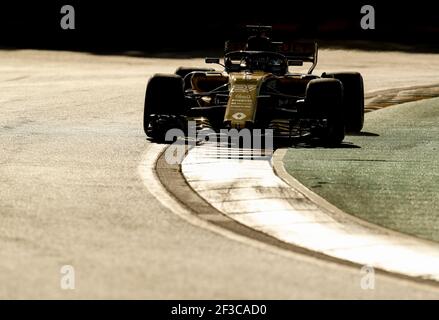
{"x":391,"y":179}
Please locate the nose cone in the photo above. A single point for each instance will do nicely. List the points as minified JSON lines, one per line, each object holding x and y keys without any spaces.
{"x":241,"y":107}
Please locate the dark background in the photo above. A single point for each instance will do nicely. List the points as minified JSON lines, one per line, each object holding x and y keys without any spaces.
{"x":157,"y":26}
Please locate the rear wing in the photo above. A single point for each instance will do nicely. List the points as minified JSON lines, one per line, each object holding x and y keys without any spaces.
{"x":299,"y":51}
{"x":293,"y":51}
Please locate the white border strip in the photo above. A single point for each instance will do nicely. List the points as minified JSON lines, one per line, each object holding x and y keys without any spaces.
{"x":249,"y":192}
{"x":152,"y":183}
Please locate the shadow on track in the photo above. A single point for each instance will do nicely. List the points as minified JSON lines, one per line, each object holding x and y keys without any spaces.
{"x":363,"y":134}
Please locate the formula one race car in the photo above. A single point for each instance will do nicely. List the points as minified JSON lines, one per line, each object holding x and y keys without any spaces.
{"x":257,"y":90}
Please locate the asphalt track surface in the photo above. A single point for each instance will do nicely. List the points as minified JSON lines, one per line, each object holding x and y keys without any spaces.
{"x":71,"y":143}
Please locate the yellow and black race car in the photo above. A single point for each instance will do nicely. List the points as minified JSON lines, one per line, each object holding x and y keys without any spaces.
{"x":257,"y":89}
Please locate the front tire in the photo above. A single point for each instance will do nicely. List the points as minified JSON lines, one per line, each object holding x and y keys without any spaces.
{"x":353,"y":99}
{"x":323,"y":100}
{"x":164,"y":99}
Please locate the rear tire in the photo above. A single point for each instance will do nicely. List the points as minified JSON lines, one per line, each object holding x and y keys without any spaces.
{"x":183,"y":71}
{"x":353,"y":99}
{"x":323,"y":100}
{"x":164,"y":96}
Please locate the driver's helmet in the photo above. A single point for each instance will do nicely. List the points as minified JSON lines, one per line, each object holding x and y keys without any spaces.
{"x":259,"y":42}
